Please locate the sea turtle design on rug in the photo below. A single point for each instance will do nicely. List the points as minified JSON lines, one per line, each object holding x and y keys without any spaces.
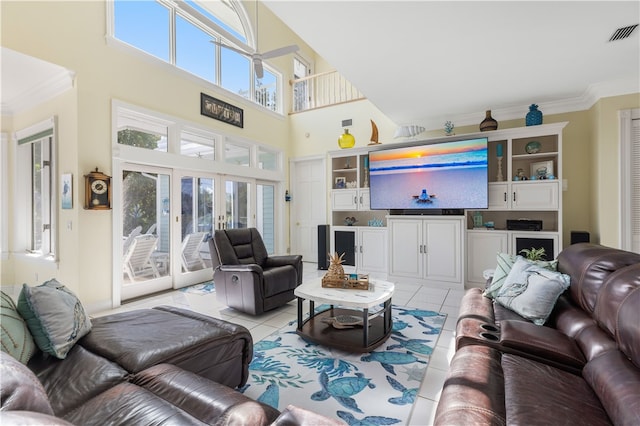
{"x":389,"y":359}
{"x":408,"y":395}
{"x":342,"y":389}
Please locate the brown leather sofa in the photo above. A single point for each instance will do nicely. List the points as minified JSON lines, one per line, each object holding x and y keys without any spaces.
{"x":582,"y":366}
{"x":151,"y":366}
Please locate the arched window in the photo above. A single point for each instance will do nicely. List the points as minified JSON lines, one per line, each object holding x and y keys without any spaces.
{"x":191,"y":35}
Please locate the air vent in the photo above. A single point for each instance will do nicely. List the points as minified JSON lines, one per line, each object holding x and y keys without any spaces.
{"x":622,"y":33}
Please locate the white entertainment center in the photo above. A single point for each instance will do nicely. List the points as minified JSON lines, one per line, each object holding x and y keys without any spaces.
{"x":448,"y":250}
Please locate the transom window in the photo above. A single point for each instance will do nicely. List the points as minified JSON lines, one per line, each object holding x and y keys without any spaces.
{"x":182,"y":33}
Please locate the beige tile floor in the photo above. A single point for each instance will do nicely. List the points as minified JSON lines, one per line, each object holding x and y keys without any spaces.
{"x":412,"y":295}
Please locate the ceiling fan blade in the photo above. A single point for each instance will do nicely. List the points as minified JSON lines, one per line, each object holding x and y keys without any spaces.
{"x":257,"y":64}
{"x":235,"y":49}
{"x":280,"y":51}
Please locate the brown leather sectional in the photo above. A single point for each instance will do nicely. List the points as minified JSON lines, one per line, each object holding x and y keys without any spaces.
{"x":150,"y":366}
{"x":581,"y":367}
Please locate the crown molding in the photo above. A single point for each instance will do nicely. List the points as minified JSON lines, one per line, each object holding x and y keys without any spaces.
{"x":591,"y":95}
{"x":58,"y":83}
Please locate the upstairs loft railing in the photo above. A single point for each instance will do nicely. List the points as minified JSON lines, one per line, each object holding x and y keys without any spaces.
{"x":322,"y":90}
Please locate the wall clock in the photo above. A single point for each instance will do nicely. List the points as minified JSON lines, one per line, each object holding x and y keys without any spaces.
{"x":97,"y":191}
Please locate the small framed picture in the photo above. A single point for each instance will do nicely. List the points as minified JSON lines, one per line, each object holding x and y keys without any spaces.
{"x":542,"y":169}
{"x":341,"y":182}
{"x":66,"y":191}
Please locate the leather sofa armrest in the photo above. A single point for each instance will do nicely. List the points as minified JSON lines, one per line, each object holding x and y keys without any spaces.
{"x":294,"y":260}
{"x":475,"y":305}
{"x":541,"y":343}
{"x":296,"y":416}
{"x":284,"y":260}
{"x":252,"y":267}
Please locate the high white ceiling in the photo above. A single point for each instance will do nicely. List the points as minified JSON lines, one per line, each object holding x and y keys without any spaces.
{"x":425,"y":62}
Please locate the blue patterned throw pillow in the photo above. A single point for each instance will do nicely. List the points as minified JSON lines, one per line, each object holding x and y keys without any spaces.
{"x":55,"y":317}
{"x":16,"y":338}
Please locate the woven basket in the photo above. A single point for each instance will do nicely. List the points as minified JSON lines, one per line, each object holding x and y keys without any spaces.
{"x":362,"y":283}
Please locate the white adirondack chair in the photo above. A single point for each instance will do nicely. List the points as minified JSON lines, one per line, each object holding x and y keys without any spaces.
{"x":137,"y":260}
{"x":191,"y":258}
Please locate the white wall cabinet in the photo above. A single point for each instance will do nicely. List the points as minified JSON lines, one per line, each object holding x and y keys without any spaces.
{"x":365,"y":248}
{"x":482,"y":247}
{"x":350,"y":199}
{"x":427,"y":249}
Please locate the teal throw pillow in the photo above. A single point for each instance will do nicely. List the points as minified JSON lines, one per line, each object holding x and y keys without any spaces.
{"x":505,"y":262}
{"x":54,"y":315}
{"x":531,"y":290}
{"x":16,"y":338}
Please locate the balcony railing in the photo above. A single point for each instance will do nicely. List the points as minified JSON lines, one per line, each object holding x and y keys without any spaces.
{"x":322,"y":90}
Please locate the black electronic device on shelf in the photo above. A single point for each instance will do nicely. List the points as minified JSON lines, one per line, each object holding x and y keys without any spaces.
{"x":524,"y":225}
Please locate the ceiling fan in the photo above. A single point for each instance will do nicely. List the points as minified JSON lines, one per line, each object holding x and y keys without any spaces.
{"x":257,"y":57}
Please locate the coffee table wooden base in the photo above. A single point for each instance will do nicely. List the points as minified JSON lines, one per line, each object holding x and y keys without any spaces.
{"x":348,"y":339}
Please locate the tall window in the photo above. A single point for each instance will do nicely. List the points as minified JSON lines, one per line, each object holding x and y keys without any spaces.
{"x":36,"y":176}
{"x":183,"y":33}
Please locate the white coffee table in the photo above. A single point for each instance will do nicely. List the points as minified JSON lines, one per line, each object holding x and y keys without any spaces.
{"x":376,"y":326}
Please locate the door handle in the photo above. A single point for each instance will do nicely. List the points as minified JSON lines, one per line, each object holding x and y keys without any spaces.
{"x":505,"y":197}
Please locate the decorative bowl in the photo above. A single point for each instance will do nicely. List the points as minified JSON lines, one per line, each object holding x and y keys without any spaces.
{"x":532,"y":147}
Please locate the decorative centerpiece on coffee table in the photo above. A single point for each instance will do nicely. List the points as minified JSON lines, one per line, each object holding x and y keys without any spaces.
{"x":336,"y":278}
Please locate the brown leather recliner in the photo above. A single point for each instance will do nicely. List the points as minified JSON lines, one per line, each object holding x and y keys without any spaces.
{"x":246,"y":277}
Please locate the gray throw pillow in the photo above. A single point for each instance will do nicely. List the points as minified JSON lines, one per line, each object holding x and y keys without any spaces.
{"x":505,"y":262}
{"x":55,"y":317}
{"x":531,"y":290}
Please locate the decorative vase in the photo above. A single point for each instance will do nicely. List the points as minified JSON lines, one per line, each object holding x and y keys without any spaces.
{"x":488,"y":123}
{"x":534,"y":116}
{"x":346,"y":140}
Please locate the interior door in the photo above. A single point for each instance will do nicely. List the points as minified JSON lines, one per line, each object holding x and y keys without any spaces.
{"x":308,"y":205}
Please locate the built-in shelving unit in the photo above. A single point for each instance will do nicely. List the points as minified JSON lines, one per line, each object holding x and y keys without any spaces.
{"x":525,"y":183}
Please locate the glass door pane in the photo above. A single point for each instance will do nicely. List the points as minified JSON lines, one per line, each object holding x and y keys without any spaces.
{"x":237,"y":207}
{"x":197,"y":204}
{"x":265,"y":214}
{"x":146,"y":234}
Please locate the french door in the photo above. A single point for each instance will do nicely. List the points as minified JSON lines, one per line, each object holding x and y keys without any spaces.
{"x":144,"y":237}
{"x":168,"y":216}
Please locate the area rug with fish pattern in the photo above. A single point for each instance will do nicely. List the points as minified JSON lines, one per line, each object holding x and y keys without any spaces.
{"x":376,"y":388}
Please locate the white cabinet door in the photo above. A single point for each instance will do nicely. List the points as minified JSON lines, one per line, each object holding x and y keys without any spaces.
{"x":372,"y":250}
{"x":499,"y":196}
{"x":442,"y":250}
{"x":363,"y":199}
{"x":344,"y":199}
{"x":535,"y":196}
{"x":405,"y":258}
{"x":482,"y":248}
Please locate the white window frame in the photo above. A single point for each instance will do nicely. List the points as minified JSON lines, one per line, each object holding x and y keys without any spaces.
{"x":4,"y":196}
{"x":23,"y":190}
{"x":627,"y":167}
{"x":199,"y":20}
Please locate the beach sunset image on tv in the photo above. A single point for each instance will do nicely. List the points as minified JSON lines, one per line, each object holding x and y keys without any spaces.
{"x":447,"y":175}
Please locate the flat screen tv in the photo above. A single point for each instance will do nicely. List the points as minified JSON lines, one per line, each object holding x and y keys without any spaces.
{"x":437,"y":176}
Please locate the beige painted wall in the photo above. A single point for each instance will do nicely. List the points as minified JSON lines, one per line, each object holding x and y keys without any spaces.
{"x":72,"y":34}
{"x":605,"y":155}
